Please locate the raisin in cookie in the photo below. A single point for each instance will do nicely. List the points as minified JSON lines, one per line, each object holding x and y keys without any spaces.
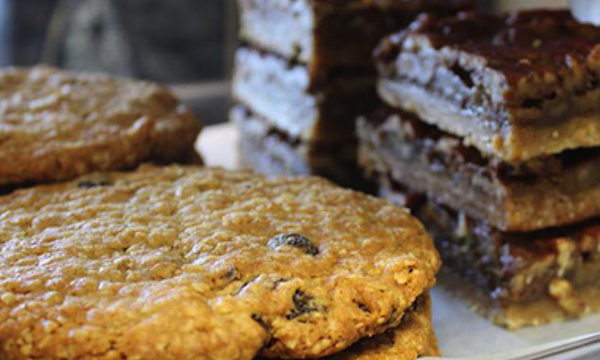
{"x":200,"y":263}
{"x":57,"y":125}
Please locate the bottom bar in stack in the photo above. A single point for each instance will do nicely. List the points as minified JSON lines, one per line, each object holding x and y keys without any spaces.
{"x":521,"y":279}
{"x":516,"y":278}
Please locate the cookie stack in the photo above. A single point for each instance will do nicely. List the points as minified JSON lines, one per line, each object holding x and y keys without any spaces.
{"x":496,"y":120}
{"x":303,"y":76}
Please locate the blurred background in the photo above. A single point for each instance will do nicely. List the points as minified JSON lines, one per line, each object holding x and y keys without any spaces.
{"x":185,"y":43}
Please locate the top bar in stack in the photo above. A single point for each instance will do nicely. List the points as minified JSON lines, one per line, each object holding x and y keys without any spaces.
{"x":517,"y":86}
{"x":330,"y":35}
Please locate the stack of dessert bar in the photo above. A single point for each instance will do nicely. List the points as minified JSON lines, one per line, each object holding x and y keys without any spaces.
{"x":305,"y":73}
{"x":496,"y":121}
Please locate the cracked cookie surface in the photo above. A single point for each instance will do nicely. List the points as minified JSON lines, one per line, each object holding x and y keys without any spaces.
{"x":181,"y":263}
{"x":57,"y":125}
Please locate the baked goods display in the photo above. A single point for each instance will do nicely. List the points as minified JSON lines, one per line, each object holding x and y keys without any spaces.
{"x":115,"y":243}
{"x":56,"y":125}
{"x":489,"y":134}
{"x":198,"y":263}
{"x":304,"y":73}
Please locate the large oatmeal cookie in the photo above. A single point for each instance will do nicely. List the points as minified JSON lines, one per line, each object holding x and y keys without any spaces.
{"x":193,"y":263}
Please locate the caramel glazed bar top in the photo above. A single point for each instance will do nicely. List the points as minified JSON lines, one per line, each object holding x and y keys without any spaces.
{"x":516,"y":86}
